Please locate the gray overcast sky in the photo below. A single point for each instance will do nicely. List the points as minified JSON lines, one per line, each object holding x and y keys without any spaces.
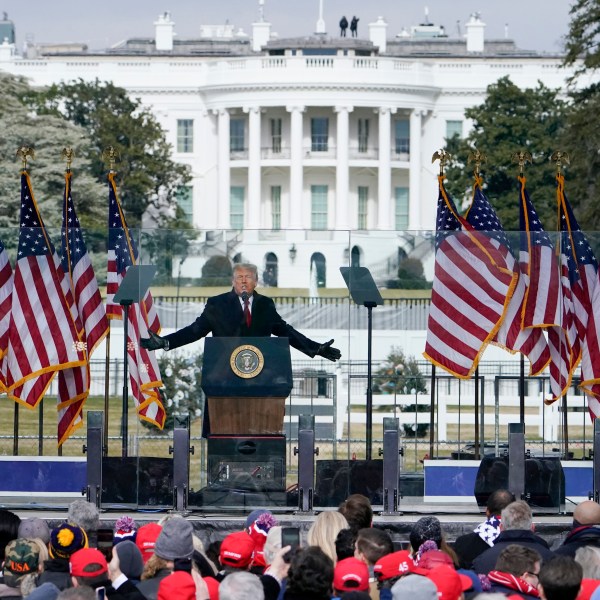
{"x":533,"y":24}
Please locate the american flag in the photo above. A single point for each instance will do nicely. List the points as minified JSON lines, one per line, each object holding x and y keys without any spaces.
{"x":43,"y":335}
{"x":6,"y":286}
{"x":548,"y":303}
{"x":511,"y":335}
{"x":144,"y":374}
{"x":471,"y":290}
{"x":580,"y":267}
{"x":89,"y":308}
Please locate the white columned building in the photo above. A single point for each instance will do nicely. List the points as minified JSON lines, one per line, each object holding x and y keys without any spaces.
{"x":253,"y":220}
{"x":223,"y":169}
{"x":342,"y":204}
{"x":296,"y":167}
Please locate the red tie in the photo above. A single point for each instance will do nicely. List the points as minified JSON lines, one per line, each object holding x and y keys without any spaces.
{"x":247,"y":314}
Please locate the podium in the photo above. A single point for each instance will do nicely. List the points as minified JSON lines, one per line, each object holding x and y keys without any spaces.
{"x":246,"y":382}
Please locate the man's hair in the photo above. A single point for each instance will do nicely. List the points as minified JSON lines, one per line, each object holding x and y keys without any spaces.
{"x":560,"y":578}
{"x":241,"y":585}
{"x":85,"y":514}
{"x":82,"y":592}
{"x":516,"y":560}
{"x":358,"y":512}
{"x":374,"y":543}
{"x":517,"y":515}
{"x":246,"y":267}
{"x":344,"y":544}
{"x":311,"y":574}
{"x":498,"y":500}
{"x":589,"y":559}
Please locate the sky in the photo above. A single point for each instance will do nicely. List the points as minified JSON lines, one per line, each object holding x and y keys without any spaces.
{"x":533,"y":24}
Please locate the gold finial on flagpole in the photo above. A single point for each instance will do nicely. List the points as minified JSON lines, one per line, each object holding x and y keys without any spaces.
{"x":110,"y":156}
{"x":478,"y":158}
{"x":444,"y":157}
{"x":560,"y":158}
{"x":522,"y":157}
{"x":67,"y":155}
{"x":23,"y":152}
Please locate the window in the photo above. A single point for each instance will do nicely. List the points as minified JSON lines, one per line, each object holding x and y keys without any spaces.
{"x":454,"y":128}
{"x":185,"y":135}
{"x":276,"y":136}
{"x":184,"y":197}
{"x":236,"y":207}
{"x":319,"y":134}
{"x":402,"y":136}
{"x":363,"y":199}
{"x":318,"y":206}
{"x":401,"y":208}
{"x":363,"y":135}
{"x":276,"y":207}
{"x":236,"y":135}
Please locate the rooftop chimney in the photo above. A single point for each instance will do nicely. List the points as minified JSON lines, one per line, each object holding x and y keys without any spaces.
{"x":475,"y":33}
{"x":164,"y":33}
{"x":378,"y":34}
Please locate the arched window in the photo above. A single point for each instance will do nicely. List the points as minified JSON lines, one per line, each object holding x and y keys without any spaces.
{"x":318,"y":271}
{"x":270,"y":274}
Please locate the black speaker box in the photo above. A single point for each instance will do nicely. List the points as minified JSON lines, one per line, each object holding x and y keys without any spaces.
{"x":337,"y":479}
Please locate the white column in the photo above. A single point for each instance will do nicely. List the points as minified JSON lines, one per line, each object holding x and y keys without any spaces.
{"x":384,"y":212}
{"x":414,"y":173}
{"x":296,"y":167}
{"x":223,"y":172}
{"x":254,"y":179}
{"x":342,"y":177}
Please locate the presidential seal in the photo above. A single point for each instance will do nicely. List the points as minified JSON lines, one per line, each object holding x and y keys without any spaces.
{"x":247,"y":361}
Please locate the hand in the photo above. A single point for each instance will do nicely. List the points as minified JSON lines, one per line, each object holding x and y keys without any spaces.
{"x":279,"y":568}
{"x":329,"y":352}
{"x":154,"y":342}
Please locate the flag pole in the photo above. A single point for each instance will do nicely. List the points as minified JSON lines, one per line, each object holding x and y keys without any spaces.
{"x":106,"y":390}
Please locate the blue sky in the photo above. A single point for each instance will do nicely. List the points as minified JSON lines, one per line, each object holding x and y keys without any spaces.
{"x":533,"y":24}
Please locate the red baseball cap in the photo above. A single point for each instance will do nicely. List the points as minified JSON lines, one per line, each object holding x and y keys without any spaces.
{"x":179,"y":585}
{"x":435,"y":558}
{"x":449,"y":583}
{"x":396,"y":564}
{"x":85,"y":557}
{"x":146,"y":539}
{"x":237,"y":550}
{"x":351,"y":575}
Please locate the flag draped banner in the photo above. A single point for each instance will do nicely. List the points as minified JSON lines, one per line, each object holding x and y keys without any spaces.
{"x":6,"y":287}
{"x":88,"y":307}
{"x":144,"y":374}
{"x":548,"y":303}
{"x":43,"y":335}
{"x":472,"y":287}
{"x":510,"y":335}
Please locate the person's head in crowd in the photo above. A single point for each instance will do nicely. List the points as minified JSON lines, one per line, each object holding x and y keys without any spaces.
{"x":88,"y":567}
{"x":66,"y":539}
{"x":520,"y":561}
{"x":358,"y":511}
{"x":450,"y":584}
{"x":82,"y":592}
{"x":391,"y":567}
{"x":241,"y":585}
{"x":344,"y":544}
{"x":517,"y":515}
{"x":179,"y":585}
{"x":560,"y":578}
{"x":431,"y":557}
{"x":86,"y":515}
{"x":145,"y":539}
{"x":29,"y":583}
{"x":372,"y":544}
{"x":44,"y":591}
{"x":349,"y":575}
{"x":213,"y":551}
{"x":310,"y":574}
{"x":356,"y":596}
{"x":127,"y":559}
{"x":34,"y":527}
{"x":429,"y":529}
{"x":497,"y":501}
{"x":125,"y":529}
{"x":586,"y":513}
{"x":253,"y":516}
{"x":200,"y":560}
{"x":273,"y":543}
{"x":258,"y":531}
{"x":237,"y":550}
{"x":324,"y":531}
{"x":22,"y":558}
{"x":589,"y":559}
{"x":415,"y":587}
{"x":9,"y":529}
{"x":213,"y":587}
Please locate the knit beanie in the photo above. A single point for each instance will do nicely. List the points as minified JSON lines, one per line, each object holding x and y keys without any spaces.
{"x":426,"y":528}
{"x":67,"y":539}
{"x":125,"y":529}
{"x":258,"y":532}
{"x":130,"y":559}
{"x":34,"y":527}
{"x":175,"y":540}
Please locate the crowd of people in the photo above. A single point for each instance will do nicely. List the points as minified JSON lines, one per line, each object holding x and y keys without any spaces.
{"x":343,"y":557}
